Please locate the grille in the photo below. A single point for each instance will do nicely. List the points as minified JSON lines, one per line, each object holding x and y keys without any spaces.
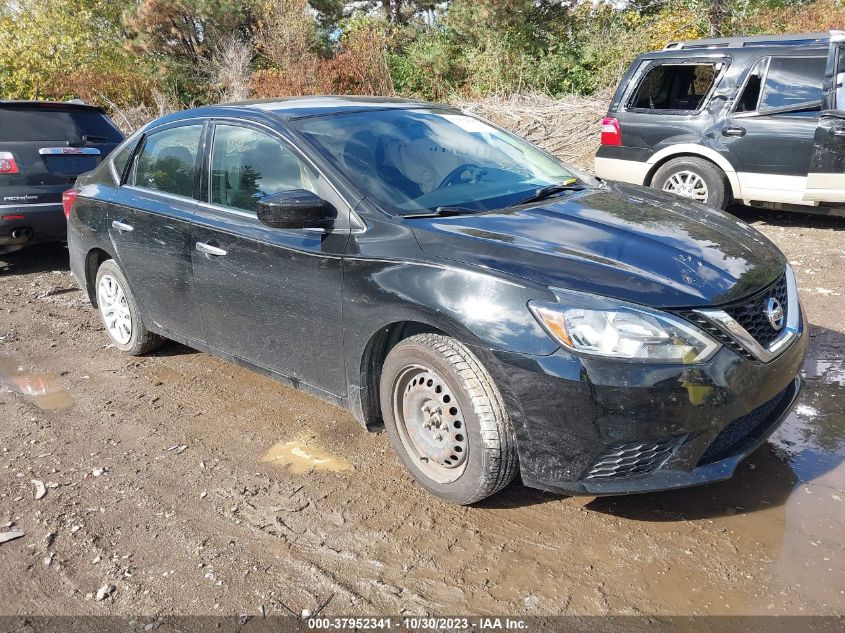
{"x":718,"y":334}
{"x":629,"y":459}
{"x":744,"y":431}
{"x":751,"y":313}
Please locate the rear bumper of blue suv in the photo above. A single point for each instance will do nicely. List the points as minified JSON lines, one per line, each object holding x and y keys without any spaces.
{"x":31,"y":223}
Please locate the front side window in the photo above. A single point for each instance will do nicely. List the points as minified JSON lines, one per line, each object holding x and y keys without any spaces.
{"x":168,"y":159}
{"x":839,"y":94}
{"x":415,"y":160}
{"x":247,"y":165}
{"x":793,"y":82}
{"x":678,"y":87}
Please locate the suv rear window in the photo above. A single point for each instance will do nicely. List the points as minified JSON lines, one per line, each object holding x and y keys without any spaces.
{"x":54,"y":124}
{"x":792,"y":81}
{"x":674,"y":87}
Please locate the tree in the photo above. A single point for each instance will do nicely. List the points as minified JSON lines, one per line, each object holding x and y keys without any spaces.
{"x":187,"y":31}
{"x":65,"y":48}
{"x":716,"y":15}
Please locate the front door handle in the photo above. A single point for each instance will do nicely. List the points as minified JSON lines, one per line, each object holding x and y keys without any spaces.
{"x":122,"y":226}
{"x":208,"y":249}
{"x":838,"y":132}
{"x":733,"y":130}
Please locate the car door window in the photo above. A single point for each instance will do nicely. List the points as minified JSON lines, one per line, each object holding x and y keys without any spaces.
{"x":677,"y":87}
{"x":839,"y":94}
{"x":793,"y":81}
{"x":750,"y":96}
{"x":121,"y":158}
{"x":247,"y":165}
{"x":167,"y":160}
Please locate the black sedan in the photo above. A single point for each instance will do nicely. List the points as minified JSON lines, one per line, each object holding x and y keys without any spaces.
{"x":494,"y":309}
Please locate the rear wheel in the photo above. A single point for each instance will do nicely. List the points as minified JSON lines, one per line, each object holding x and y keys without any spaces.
{"x":120,"y":313}
{"x":694,"y":178}
{"x":446,"y":419}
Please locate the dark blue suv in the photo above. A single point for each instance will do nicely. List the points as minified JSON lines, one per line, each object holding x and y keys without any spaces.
{"x":44,"y":146}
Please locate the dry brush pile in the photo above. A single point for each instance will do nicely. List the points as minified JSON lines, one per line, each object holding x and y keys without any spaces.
{"x":568,"y":127}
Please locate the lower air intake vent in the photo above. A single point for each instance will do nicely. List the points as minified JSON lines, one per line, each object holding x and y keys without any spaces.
{"x":744,"y":431}
{"x":630,"y":459}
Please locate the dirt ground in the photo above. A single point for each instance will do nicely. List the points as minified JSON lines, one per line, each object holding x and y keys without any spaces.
{"x":166,"y":484}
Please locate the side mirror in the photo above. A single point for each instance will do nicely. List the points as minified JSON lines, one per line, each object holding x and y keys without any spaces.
{"x":296,"y":209}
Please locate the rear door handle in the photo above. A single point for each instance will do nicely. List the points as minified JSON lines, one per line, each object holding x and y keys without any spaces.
{"x":122,"y":226}
{"x":733,"y":130}
{"x":208,"y":249}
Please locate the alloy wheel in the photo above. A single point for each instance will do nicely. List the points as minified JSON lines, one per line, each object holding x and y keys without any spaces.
{"x":114,"y":309}
{"x":687,"y":184}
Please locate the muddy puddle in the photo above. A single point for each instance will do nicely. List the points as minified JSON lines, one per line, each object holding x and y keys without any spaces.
{"x":301,"y":458}
{"x":39,"y":389}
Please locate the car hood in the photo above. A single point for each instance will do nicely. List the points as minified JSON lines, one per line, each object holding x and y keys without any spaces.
{"x":615,"y":240}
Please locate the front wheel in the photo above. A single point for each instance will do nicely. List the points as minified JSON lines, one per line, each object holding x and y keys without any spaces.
{"x":694,"y":178}
{"x":446,"y":419}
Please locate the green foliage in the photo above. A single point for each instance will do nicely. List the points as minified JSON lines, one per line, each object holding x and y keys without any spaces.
{"x":113,"y":51}
{"x":56,"y":49}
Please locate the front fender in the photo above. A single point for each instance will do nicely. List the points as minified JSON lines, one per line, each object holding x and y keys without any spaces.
{"x":482,"y":310}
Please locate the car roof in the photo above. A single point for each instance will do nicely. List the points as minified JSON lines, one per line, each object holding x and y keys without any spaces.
{"x":290,"y":108}
{"x":48,"y":105}
{"x":791,"y":40}
{"x":735,"y":53}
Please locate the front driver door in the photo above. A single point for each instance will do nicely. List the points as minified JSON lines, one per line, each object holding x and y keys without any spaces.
{"x":826,"y":180}
{"x":271,"y":297}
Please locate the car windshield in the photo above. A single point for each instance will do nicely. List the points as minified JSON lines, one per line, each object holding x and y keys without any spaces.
{"x":417,"y":160}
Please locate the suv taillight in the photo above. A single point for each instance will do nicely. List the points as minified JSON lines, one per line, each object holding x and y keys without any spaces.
{"x":68,"y":198}
{"x":611,"y":133}
{"x":7,"y":163}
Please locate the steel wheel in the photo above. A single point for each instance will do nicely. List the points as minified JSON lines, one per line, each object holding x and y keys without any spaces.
{"x":687,"y":184}
{"x":114,"y":308}
{"x":430,"y":423}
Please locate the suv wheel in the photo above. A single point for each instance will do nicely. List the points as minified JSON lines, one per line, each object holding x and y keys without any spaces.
{"x":120,"y":314}
{"x":694,"y":178}
{"x":446,"y":419}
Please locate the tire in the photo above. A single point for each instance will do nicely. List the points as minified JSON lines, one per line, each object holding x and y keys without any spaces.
{"x":465,"y":409}
{"x":691,"y":169}
{"x":138,"y":340}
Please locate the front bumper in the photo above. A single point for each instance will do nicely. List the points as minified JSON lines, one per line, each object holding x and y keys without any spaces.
{"x":598,"y":427}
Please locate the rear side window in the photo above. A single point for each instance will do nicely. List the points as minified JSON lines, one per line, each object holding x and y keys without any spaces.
{"x":121,"y":158}
{"x":679,"y":87}
{"x":55,"y":124}
{"x":792,"y":81}
{"x":168,"y":159}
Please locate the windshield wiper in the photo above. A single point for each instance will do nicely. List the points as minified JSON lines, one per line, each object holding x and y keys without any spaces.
{"x":442,"y":212}
{"x":550,"y":190}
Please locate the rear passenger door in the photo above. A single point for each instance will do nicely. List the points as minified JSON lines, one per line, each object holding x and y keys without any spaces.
{"x":271,"y":297}
{"x":768,"y":133}
{"x":826,"y":179}
{"x":150,"y":228}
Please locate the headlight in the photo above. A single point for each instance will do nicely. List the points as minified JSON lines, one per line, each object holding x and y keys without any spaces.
{"x":622,"y":331}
